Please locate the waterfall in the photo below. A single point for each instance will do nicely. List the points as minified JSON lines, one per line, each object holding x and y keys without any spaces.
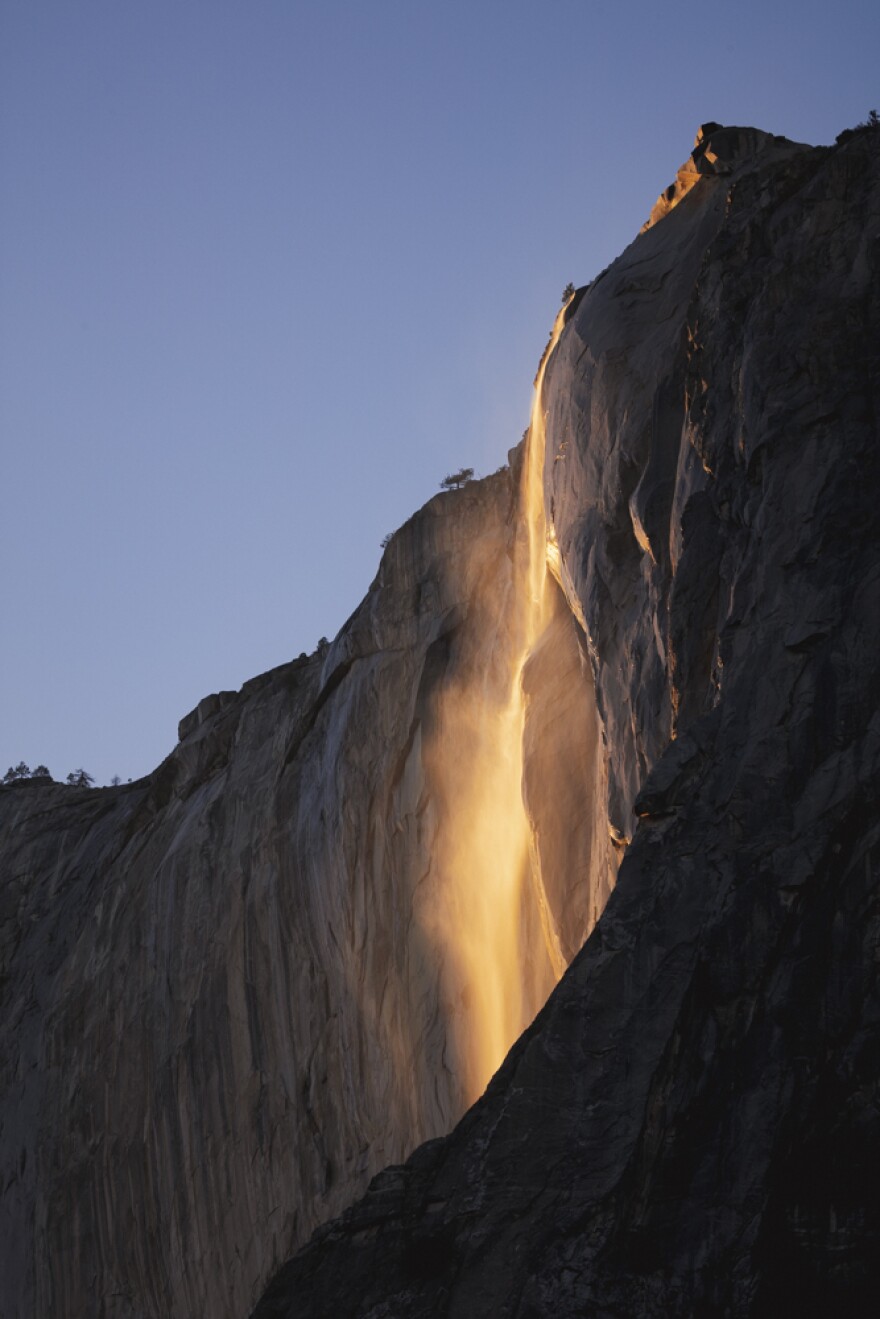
{"x":489,"y":917}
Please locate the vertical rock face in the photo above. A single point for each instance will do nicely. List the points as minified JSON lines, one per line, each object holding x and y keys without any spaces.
{"x":628,"y":459}
{"x":235,"y":990}
{"x":691,"y":1124}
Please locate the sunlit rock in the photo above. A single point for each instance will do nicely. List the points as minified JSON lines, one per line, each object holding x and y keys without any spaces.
{"x":237,"y":989}
{"x":719,"y":151}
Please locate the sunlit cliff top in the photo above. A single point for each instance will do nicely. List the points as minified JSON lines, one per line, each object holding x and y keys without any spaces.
{"x":718,"y":150}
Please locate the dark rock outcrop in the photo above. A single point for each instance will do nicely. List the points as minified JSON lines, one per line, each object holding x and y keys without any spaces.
{"x":692,"y":1124}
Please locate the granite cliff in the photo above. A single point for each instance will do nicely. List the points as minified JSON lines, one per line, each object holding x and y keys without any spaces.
{"x":692,"y":1124}
{"x":235,"y":991}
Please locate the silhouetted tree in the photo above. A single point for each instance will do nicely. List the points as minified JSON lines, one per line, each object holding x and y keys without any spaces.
{"x":872,"y":123}
{"x":20,"y":771}
{"x":457,"y":479}
{"x":41,"y":772}
{"x":80,"y":779}
{"x":568,"y":292}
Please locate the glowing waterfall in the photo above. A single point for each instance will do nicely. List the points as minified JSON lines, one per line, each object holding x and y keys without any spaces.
{"x":533,"y":503}
{"x":488,"y":919}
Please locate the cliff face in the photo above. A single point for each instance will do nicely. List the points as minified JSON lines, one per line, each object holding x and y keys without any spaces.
{"x":235,"y":990}
{"x":692,"y":1124}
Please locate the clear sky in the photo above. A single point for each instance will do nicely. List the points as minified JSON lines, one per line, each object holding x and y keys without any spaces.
{"x":270,"y":269}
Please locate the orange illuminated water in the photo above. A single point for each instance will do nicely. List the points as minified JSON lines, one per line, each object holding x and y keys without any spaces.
{"x":488,"y":919}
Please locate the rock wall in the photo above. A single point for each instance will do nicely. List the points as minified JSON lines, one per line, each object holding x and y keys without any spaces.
{"x":692,"y":1124}
{"x":232,"y":992}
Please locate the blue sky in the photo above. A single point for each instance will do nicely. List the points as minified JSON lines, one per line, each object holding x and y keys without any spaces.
{"x":269,"y":270}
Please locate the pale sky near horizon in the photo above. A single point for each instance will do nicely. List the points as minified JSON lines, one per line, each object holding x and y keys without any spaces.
{"x":270,"y":270}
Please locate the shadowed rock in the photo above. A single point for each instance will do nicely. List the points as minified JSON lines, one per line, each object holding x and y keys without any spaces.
{"x":692,"y":1124}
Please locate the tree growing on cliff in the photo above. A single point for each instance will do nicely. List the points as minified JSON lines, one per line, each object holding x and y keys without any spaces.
{"x":457,"y":479}
{"x":21,"y":771}
{"x":78,"y":778}
{"x":568,"y":292}
{"x":871,"y":124}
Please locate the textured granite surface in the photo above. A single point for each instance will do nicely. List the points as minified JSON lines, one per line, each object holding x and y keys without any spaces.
{"x":692,"y":1124}
{"x":229,"y":993}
